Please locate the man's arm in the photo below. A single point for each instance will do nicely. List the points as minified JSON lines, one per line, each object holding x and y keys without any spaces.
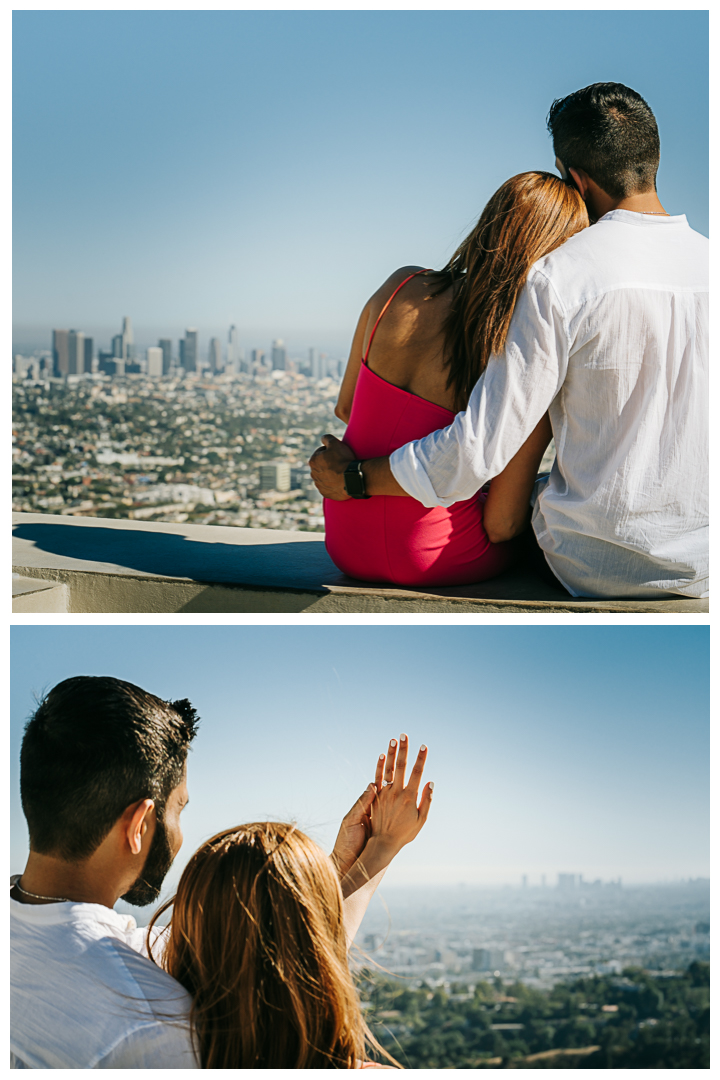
{"x":505,"y":407}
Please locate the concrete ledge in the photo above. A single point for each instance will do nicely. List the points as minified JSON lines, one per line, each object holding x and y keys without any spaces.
{"x":116,"y":565}
{"x":37,"y":594}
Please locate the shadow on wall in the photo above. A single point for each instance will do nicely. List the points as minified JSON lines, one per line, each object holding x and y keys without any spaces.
{"x":297,"y":565}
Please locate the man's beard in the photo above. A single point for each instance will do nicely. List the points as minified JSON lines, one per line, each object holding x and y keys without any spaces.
{"x":146,"y":889}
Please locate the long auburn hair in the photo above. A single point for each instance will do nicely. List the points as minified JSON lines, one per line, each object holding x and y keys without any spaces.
{"x":528,"y":217}
{"x":257,"y":938}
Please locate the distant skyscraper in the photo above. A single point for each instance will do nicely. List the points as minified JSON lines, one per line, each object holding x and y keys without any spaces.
{"x":257,"y":357}
{"x":117,"y":346}
{"x":279,"y":355}
{"x":128,"y":339}
{"x":322,"y":366}
{"x":166,"y":345}
{"x":215,"y":355}
{"x":232,"y":350}
{"x":88,"y":357}
{"x":313,"y":361}
{"x":60,"y":353}
{"x":190,"y":350}
{"x":155,"y":362}
{"x":76,"y":352}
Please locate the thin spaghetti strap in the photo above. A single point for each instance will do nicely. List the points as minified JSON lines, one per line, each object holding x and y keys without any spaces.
{"x":387,"y":305}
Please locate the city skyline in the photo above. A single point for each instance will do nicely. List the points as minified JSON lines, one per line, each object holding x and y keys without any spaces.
{"x":551,"y":751}
{"x":319,"y":194}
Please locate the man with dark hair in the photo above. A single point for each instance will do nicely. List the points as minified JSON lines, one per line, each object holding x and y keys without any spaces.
{"x":103,"y":785}
{"x":610,"y":338}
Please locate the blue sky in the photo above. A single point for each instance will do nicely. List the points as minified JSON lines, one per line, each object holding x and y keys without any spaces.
{"x":552,"y":748}
{"x":270,"y":168}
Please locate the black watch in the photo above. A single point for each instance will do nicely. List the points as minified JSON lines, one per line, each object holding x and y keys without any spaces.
{"x":355,"y":481}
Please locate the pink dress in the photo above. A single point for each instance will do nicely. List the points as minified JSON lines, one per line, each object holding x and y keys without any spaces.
{"x":395,"y":538}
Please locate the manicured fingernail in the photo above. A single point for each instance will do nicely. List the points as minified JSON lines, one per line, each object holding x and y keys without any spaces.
{"x":403,"y":738}
{"x":423,"y":748}
{"x":382,"y":757}
{"x":393,"y":742}
{"x":431,"y":786}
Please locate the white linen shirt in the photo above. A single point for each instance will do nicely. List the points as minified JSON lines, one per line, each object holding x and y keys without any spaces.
{"x":84,"y":997}
{"x":610,"y":336}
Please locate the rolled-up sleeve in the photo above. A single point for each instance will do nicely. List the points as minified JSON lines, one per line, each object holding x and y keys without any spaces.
{"x":505,"y":406}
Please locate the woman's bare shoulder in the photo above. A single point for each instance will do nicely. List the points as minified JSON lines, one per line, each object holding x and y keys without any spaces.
{"x":391,"y":283}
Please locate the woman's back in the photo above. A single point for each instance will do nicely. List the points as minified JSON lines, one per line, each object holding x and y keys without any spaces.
{"x":408,"y":348}
{"x":401,"y":395}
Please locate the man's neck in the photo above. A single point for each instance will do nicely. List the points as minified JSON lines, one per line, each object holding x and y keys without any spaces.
{"x":644,"y":203}
{"x":54,"y":879}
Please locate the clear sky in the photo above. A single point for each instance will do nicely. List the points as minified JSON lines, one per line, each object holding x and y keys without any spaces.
{"x":552,"y":749}
{"x":271,"y":168}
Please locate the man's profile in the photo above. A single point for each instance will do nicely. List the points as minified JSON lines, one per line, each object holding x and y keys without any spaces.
{"x":103,"y":786}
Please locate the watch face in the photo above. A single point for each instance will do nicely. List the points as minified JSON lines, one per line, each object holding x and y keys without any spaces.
{"x":354,"y":482}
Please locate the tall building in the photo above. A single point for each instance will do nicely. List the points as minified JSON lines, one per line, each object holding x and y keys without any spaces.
{"x":313,"y":362}
{"x":279,"y":355}
{"x":117,"y":347}
{"x":189,"y":350}
{"x":76,"y":352}
{"x":88,"y":357}
{"x":128,"y":339}
{"x":155,"y":362}
{"x":166,"y":345}
{"x":232,"y":349}
{"x":257,"y":357}
{"x":215,"y":355}
{"x":322,"y":366}
{"x":275,"y":476}
{"x":60,"y":353}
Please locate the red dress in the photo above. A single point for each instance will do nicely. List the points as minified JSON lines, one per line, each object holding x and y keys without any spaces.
{"x":395,"y":538}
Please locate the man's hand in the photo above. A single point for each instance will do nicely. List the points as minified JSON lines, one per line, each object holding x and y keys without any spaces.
{"x":328,"y":465}
{"x":354,"y":832}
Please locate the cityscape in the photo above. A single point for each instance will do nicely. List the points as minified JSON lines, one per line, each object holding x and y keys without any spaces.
{"x":540,"y":935}
{"x":163,"y":434}
{"x":577,"y":975}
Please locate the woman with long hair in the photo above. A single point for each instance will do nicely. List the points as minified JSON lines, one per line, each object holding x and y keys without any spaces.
{"x":258,"y":937}
{"x":432,"y":334}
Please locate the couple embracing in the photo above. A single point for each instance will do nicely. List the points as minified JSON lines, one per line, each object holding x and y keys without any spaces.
{"x":577,"y":308}
{"x":251,"y":968}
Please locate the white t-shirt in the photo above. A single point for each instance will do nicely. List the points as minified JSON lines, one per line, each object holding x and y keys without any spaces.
{"x":83,"y":995}
{"x":610,"y":336}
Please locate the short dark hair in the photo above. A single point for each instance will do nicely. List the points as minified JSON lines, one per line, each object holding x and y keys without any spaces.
{"x":94,"y":746}
{"x":609,"y":132}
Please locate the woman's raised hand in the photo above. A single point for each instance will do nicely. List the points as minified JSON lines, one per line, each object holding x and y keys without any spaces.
{"x":395,"y":815}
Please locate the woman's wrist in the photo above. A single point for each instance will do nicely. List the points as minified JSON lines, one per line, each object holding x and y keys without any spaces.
{"x":378,"y":853}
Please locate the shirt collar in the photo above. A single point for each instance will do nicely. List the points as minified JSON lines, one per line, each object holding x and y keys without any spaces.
{"x":632,"y":217}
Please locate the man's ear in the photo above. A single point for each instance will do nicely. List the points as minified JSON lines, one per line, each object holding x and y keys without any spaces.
{"x":136,"y":824}
{"x":581,"y":180}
